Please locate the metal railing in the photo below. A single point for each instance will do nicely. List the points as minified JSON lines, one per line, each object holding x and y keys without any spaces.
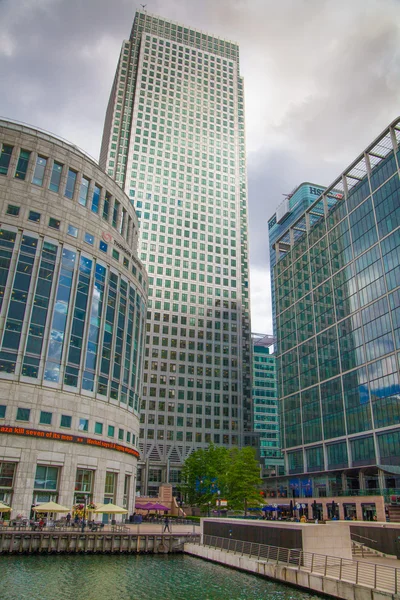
{"x":362,"y":537}
{"x":372,"y":575}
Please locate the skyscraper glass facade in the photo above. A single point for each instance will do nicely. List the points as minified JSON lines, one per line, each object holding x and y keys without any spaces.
{"x":289,"y":214}
{"x":174,"y":141}
{"x":265,"y":405}
{"x":338,"y":326}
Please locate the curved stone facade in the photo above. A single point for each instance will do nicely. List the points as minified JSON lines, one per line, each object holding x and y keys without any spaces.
{"x":73,"y":298}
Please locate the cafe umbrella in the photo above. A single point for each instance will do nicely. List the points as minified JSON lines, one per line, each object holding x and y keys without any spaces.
{"x":50,"y":507}
{"x":110,"y":509}
{"x":158,"y":506}
{"x":4,"y":508}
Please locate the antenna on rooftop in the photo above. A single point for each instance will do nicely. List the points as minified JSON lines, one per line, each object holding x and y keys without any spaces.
{"x":143,"y":6}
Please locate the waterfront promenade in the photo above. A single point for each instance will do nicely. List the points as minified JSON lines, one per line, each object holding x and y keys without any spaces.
{"x":149,"y":538}
{"x":372,"y":578}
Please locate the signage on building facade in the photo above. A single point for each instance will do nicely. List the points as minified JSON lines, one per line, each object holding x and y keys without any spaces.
{"x":318,"y":191}
{"x":72,"y":439}
{"x":107,"y":237}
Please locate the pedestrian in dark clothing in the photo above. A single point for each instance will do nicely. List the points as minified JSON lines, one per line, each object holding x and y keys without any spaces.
{"x":166,"y":525}
{"x":68,"y":519}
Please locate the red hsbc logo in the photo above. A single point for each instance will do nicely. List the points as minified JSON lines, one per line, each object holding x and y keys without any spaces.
{"x":107,"y":237}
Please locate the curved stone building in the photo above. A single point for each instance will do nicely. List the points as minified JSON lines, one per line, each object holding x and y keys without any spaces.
{"x":72,"y":313}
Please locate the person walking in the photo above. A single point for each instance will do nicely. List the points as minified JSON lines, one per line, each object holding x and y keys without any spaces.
{"x":166,"y":525}
{"x":68,"y":519}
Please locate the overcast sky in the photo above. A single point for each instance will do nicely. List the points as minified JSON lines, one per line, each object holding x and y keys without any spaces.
{"x":322,"y":80}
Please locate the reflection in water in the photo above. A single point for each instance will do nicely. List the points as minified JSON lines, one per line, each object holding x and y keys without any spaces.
{"x":128,"y":577}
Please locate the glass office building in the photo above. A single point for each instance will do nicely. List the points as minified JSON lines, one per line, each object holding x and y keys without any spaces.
{"x":174,"y":141}
{"x":337,"y":281}
{"x":287,"y":215}
{"x":72,"y":321}
{"x":265,"y":405}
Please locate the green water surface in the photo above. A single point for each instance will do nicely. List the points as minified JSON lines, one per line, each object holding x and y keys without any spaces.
{"x":127,"y":577}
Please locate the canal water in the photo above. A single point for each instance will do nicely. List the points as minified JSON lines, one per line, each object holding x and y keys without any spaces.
{"x":127,"y":577}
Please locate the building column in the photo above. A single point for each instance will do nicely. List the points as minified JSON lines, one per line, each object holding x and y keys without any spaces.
{"x":66,"y":485}
{"x":23,"y":484}
{"x":381,"y":481}
{"x":361,"y":480}
{"x":359,"y":513}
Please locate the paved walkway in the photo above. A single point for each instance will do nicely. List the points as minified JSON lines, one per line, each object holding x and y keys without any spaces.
{"x":149,"y":528}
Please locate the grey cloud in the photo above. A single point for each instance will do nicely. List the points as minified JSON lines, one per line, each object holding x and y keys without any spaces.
{"x":322,"y":79}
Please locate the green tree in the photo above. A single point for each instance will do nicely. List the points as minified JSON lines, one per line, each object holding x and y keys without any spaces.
{"x":243,"y":479}
{"x":204,"y":473}
{"x":234,"y":473}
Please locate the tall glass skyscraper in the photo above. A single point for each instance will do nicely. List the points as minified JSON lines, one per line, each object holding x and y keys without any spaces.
{"x":265,"y":404}
{"x":174,"y":141}
{"x":338,"y":324}
{"x":287,"y":225}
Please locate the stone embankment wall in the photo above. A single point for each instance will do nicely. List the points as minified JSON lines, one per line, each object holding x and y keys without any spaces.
{"x":291,"y":575}
{"x":90,"y":543}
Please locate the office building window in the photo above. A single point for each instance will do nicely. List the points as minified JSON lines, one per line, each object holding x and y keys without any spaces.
{"x":5,"y":157}
{"x":45,"y":417}
{"x":83,"y":425}
{"x":22,"y":165}
{"x":66,"y":421}
{"x":13,"y":210}
{"x":40,"y":168}
{"x":70,"y":187}
{"x":83,"y":191}
{"x":23,"y":414}
{"x":55,"y":177}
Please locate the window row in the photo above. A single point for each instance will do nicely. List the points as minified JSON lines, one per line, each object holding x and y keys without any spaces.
{"x":84,"y":190}
{"x":66,"y":422}
{"x":190,"y":436}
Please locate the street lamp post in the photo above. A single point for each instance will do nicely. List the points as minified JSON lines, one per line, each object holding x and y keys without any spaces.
{"x":208,"y":509}
{"x":84,"y":513}
{"x":219,"y":503}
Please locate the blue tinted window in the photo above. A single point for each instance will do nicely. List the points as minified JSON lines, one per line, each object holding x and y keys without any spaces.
{"x":103,"y":246}
{"x":83,"y":191}
{"x":40,"y":167}
{"x":83,"y":425}
{"x":96,"y":199}
{"x":2,"y":411}
{"x":111,"y":431}
{"x":98,"y":428}
{"x":89,"y":238}
{"x":70,"y":187}
{"x":72,"y":231}
{"x":34,"y":216}
{"x":55,"y":177}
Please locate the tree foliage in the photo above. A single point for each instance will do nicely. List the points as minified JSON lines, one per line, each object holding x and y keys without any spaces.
{"x":234,"y":473}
